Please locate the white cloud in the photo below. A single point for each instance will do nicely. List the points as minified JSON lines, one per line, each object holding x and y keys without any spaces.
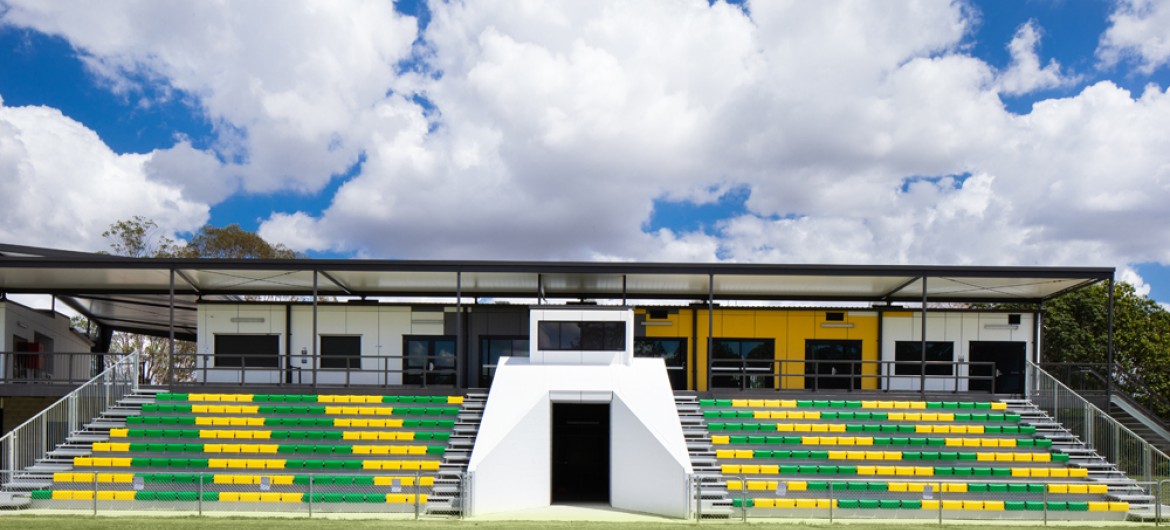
{"x":865,"y":131}
{"x":1024,"y":74}
{"x":1138,"y":29}
{"x":63,"y":187}
{"x":285,"y":84}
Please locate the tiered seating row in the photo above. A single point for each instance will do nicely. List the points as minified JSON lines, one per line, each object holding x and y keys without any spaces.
{"x":745,"y":454}
{"x":224,"y":421}
{"x":331,"y":410}
{"x":871,"y":428}
{"x":919,"y":487}
{"x":869,"y":440}
{"x":117,"y":447}
{"x":308,"y":398}
{"x":250,"y":463}
{"x":279,"y":435}
{"x":241,"y":479}
{"x":227,"y":496}
{"x":933,"y":505}
{"x":864,"y":416}
{"x":915,"y":471}
{"x":863,"y":404}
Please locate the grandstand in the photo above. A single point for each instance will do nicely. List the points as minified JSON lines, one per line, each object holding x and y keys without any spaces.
{"x":476,"y":388}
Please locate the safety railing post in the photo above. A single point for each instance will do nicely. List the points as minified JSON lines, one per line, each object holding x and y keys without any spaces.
{"x":310,"y":495}
{"x":832,"y":501}
{"x":199,"y":495}
{"x":417,"y":492}
{"x":743,"y":498}
{"x":95,"y":493}
{"x":699,"y":500}
{"x":1045,"y":505}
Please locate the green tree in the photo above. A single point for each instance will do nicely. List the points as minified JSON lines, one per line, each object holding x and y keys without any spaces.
{"x":138,"y":237}
{"x":141,"y":237}
{"x":232,"y":242}
{"x":1076,"y":331}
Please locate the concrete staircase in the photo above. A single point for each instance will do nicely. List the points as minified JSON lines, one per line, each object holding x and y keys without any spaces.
{"x":709,"y":487}
{"x":446,"y":497}
{"x":14,"y":491}
{"x":1121,"y":487}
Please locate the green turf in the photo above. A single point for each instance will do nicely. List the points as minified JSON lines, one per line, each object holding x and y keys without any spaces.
{"x":78,"y":522}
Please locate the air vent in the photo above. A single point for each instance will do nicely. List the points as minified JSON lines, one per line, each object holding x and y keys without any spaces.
{"x":834,"y":316}
{"x":1014,"y":320}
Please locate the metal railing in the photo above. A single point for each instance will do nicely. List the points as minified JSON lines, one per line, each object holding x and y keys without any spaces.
{"x":31,"y":440}
{"x":312,"y":370}
{"x":405,"y":495}
{"x":1095,"y":428}
{"x":849,"y":375}
{"x":48,"y":368}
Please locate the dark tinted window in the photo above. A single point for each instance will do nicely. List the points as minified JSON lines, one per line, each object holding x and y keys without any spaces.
{"x":341,"y":351}
{"x":589,"y":336}
{"x":908,"y":354}
{"x":251,"y":351}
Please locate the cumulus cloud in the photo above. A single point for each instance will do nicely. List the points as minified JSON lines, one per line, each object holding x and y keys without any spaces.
{"x":285,"y":84}
{"x":865,"y":132}
{"x":1024,"y":74}
{"x":63,"y":187}
{"x":1138,"y":30}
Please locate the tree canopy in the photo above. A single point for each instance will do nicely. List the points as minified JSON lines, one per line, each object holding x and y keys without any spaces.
{"x":142,"y":238}
{"x":1076,"y":329}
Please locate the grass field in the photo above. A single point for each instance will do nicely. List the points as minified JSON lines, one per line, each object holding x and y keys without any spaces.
{"x":80,"y":522}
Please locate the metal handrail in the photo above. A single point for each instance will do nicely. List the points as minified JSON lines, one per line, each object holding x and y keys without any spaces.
{"x":1095,"y":428}
{"x":48,"y":368}
{"x":31,"y":440}
{"x":310,"y":372}
{"x":773,"y":369}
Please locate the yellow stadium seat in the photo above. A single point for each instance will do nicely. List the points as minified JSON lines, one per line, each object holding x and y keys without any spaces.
{"x":1098,"y":506}
{"x":993,"y":506}
{"x":891,"y":455}
{"x":885,"y":470}
{"x":793,"y":485}
{"x":768,"y":503}
{"x":743,"y":453}
{"x":904,"y":471}
{"x":270,"y":497}
{"x":972,"y":505}
{"x":291,"y":497}
{"x":1080,"y":489}
{"x":895,"y":416}
{"x":923,"y":471}
{"x":1058,"y":473}
{"x":863,"y":440}
{"x":249,"y":496}
{"x":120,"y":462}
{"x":1036,"y":472}
{"x":930,"y":504}
{"x":806,"y":503}
{"x":62,"y":495}
{"x":739,"y":403}
{"x":254,"y":422}
{"x":359,"y":423}
{"x":1119,"y":506}
{"x":1098,"y":489}
{"x":238,"y":463}
{"x":729,"y":469}
{"x":229,"y":496}
{"x":63,"y":477}
{"x":242,"y":480}
{"x":755,"y":403}
{"x":757,"y":485}
{"x":454,"y":400}
{"x":866,"y":470}
{"x":749,"y":469}
{"x":898,"y":487}
{"x":119,"y":433}
{"x":928,"y":416}
{"x":838,"y":455}
{"x":787,"y":403}
{"x":732,"y":485}
{"x":720,"y":440}
{"x":124,"y":495}
{"x":924,"y":429}
{"x":996,"y":405}
{"x":828,"y":440}
{"x":770,"y":469}
{"x":954,"y":487}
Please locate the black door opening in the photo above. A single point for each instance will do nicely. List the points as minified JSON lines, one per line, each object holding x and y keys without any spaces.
{"x":580,"y":452}
{"x":835,"y":367}
{"x":1009,"y":359}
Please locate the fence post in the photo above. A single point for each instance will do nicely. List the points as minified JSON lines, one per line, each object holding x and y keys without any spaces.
{"x":742,"y":498}
{"x":1045,"y":505}
{"x":95,"y":493}
{"x":199,"y":493}
{"x":310,"y":495}
{"x":832,"y":501}
{"x":417,"y":492}
{"x":699,"y":497}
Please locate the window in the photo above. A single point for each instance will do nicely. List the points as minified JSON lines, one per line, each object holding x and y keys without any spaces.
{"x":341,"y":351}
{"x":673,"y":351}
{"x":430,"y":360}
{"x":588,"y":336}
{"x":908,"y":354}
{"x":832,"y":364}
{"x":247,"y":351}
{"x":491,"y":348}
{"x":736,"y":356}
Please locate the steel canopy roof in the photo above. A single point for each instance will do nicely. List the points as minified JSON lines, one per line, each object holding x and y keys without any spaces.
{"x":133,"y":293}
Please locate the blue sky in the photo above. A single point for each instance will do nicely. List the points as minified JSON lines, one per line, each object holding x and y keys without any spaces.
{"x":992,"y":132}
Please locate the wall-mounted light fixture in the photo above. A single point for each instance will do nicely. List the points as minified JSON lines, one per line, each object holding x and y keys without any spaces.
{"x":649,"y":323}
{"x":247,"y":320}
{"x":1001,"y":326}
{"x":837,"y":324}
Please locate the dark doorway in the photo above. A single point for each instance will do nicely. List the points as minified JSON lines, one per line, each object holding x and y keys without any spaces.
{"x":835,"y":367}
{"x":1009,"y":359}
{"x":580,"y":452}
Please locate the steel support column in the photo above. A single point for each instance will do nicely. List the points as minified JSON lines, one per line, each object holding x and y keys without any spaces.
{"x":1109,"y":346}
{"x":710,"y":324}
{"x":460,"y":347}
{"x":922,"y":368}
{"x":314,"y":337}
{"x":171,"y":338}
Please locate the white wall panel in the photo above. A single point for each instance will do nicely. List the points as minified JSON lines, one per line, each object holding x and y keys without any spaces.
{"x":960,"y":328}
